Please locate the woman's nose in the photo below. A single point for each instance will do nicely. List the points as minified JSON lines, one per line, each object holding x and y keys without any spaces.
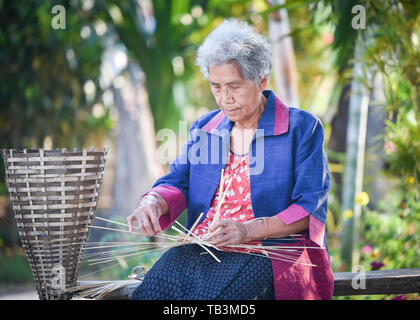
{"x":227,"y":100}
{"x":226,"y":95}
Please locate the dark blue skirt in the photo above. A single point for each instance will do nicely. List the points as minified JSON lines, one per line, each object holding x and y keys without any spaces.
{"x":188,"y":272}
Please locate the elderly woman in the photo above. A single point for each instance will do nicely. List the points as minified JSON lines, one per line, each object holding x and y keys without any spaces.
{"x":276,"y":175}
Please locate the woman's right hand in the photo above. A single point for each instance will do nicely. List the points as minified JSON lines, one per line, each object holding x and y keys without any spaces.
{"x":147,"y":214}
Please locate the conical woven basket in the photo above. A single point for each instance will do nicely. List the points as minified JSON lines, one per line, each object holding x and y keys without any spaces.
{"x":54,"y":194}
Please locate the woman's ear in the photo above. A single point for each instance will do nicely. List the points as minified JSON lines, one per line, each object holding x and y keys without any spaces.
{"x":263,"y":83}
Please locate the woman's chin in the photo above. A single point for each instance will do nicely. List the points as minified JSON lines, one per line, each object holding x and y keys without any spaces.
{"x":233,"y":116}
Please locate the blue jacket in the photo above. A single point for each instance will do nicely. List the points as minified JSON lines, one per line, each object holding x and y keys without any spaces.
{"x":289,"y":174}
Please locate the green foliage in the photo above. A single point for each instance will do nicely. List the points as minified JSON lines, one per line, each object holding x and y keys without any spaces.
{"x":14,"y":267}
{"x":344,"y":35}
{"x":404,"y":137}
{"x":44,"y":74}
{"x":391,"y":49}
{"x":395,"y":236}
{"x":394,"y":52}
{"x":41,"y":89}
{"x":173,"y":30}
{"x":389,"y":237}
{"x":312,"y":44}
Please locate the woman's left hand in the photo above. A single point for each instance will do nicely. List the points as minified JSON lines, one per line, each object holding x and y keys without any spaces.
{"x":227,"y":231}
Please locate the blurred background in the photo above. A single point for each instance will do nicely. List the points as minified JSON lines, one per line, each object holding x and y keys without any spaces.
{"x":121,"y":74}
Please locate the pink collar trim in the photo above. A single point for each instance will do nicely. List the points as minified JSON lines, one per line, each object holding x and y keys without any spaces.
{"x":214,"y":122}
{"x":281,"y":123}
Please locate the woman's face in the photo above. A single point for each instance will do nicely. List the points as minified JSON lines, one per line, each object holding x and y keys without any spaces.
{"x":239,"y":99}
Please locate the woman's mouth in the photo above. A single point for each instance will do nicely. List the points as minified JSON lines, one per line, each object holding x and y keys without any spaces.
{"x":231,"y":110}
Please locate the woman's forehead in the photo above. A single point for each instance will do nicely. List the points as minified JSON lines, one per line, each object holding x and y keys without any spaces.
{"x":226,"y":73}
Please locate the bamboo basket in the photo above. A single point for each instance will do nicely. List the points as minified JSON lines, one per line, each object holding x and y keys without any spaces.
{"x":54,"y":194}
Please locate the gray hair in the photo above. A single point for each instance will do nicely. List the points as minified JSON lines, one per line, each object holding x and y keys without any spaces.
{"x":235,"y":41}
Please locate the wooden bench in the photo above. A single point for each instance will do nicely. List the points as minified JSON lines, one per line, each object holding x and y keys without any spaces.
{"x":396,"y":281}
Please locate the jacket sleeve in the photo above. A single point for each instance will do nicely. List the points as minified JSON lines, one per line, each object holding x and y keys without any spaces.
{"x":312,"y":183}
{"x":174,"y":186}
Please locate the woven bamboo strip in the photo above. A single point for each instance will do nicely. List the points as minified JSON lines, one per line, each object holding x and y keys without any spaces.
{"x":50,"y":224}
{"x":58,"y":206}
{"x":36,"y":175}
{"x":54,"y":198}
{"x":61,"y":168}
{"x":51,"y":215}
{"x":24,"y":213}
{"x":55,"y":243}
{"x":53,"y":179}
{"x":56,"y":152}
{"x":46,"y":232}
{"x":44,"y":189}
{"x":56,"y":159}
{"x":48,"y":185}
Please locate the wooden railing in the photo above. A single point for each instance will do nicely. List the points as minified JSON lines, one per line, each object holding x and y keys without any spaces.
{"x":397,"y":281}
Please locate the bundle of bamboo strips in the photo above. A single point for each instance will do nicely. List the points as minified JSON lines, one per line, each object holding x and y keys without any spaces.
{"x":112,"y":251}
{"x":133,"y":250}
{"x":99,"y":289}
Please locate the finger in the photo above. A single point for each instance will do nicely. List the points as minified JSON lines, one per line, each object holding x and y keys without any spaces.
{"x":139,"y":213}
{"x":222,"y":240}
{"x":155,"y":220}
{"x":153,"y":223}
{"x":140,"y":224}
{"x":214,"y":226}
{"x":218,"y":224}
{"x":146,"y":225}
{"x":221,"y":231}
{"x":130,"y":219}
{"x":217,"y":232}
{"x":229,"y":239}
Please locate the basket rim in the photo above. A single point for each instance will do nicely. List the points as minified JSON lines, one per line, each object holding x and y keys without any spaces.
{"x":56,"y":150}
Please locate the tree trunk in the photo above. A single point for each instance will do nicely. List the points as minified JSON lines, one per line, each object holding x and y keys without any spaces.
{"x":135,"y":165}
{"x":284,"y":65}
{"x":376,"y":183}
{"x":354,"y":165}
{"x":337,"y":140}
